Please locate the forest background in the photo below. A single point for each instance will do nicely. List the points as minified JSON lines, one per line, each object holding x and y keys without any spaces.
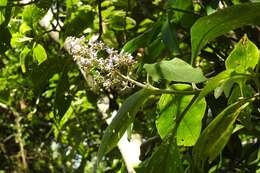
{"x":181,"y":78}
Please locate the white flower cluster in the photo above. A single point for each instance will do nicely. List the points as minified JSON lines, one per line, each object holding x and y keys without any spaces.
{"x":100,"y":62}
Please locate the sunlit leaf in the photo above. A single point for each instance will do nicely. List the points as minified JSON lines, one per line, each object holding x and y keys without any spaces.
{"x":120,"y":22}
{"x":245,"y":55}
{"x":3,"y":2}
{"x":216,"y":135}
{"x":60,"y":125}
{"x":69,"y":114}
{"x":209,"y":27}
{"x":175,"y":70}
{"x":32,"y":14}
{"x":214,"y":82}
{"x":24,"y":28}
{"x":2,"y":17}
{"x":23,"y":56}
{"x":170,"y":107}
{"x":70,"y":3}
{"x":39,"y":53}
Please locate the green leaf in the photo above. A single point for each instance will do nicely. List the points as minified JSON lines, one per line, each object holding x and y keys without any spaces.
{"x":224,"y":87}
{"x":2,"y":17}
{"x":175,"y":70}
{"x":39,"y":53}
{"x":71,"y":3}
{"x":170,"y":107}
{"x":119,"y":22}
{"x":209,"y":27}
{"x":180,"y":4}
{"x":32,"y":14}
{"x":165,"y":160}
{"x":41,"y":74}
{"x":79,"y":21}
{"x":68,"y":115}
{"x":154,"y":50}
{"x":169,"y":36}
{"x":63,"y":100}
{"x":185,"y":19}
{"x":23,"y":56}
{"x":227,"y":86}
{"x":248,"y":91}
{"x":121,"y":122}
{"x":24,"y":28}
{"x":216,"y":135}
{"x":214,"y":82}
{"x":3,"y":2}
{"x":141,"y":40}
{"x":245,"y":55}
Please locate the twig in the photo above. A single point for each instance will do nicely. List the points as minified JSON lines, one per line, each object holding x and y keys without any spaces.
{"x":20,"y":141}
{"x":18,"y":135}
{"x":153,"y":88}
{"x":185,"y":11}
{"x":100,"y":19}
{"x":182,"y":115}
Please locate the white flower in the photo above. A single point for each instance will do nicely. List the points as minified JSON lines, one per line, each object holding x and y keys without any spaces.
{"x":102,"y":69}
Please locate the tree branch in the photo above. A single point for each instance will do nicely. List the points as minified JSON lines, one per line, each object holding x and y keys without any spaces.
{"x":100,"y":19}
{"x":130,"y":150}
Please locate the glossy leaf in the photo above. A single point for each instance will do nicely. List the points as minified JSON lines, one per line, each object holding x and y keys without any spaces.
{"x":216,"y":135}
{"x":39,"y":53}
{"x":245,"y":55}
{"x":169,"y":36}
{"x":170,"y":107}
{"x":209,"y":27}
{"x":121,"y":122}
{"x":165,"y":160}
{"x":174,"y":70}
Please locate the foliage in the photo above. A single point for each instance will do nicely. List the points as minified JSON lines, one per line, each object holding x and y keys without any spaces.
{"x":186,"y":72}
